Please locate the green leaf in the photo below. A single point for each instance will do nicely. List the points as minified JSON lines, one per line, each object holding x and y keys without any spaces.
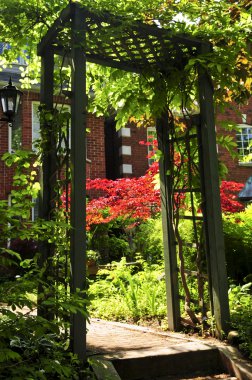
{"x":7,"y":354}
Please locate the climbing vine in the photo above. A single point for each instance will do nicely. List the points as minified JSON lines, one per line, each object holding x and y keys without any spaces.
{"x":226,"y":24}
{"x":33,"y":345}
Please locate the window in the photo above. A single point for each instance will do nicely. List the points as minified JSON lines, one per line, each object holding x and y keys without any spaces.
{"x":15,"y":134}
{"x":151,"y":144}
{"x":4,"y":46}
{"x":35,"y":209}
{"x":244,"y":143}
{"x":20,"y":61}
{"x":36,"y":122}
{"x":9,"y":225}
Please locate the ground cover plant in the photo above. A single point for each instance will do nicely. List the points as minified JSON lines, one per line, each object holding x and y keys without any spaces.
{"x":237,"y":232}
{"x":240,"y":300}
{"x":129,"y":292}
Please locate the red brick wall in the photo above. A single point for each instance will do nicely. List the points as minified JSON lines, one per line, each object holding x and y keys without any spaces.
{"x":138,"y":158}
{"x":96,"y":147}
{"x":236,"y":172}
{"x":5,"y":172}
{"x":96,"y":167}
{"x":139,"y":152}
{"x":95,"y":143}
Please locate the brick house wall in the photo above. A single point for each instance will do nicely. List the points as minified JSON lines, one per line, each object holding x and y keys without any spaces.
{"x":95,"y":142}
{"x":236,"y":171}
{"x":96,"y":148}
{"x":5,"y":173}
{"x":136,"y":163}
{"x":113,"y":154}
{"x":125,"y":157}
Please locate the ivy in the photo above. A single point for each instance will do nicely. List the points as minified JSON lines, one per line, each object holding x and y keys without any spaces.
{"x":32,"y":346}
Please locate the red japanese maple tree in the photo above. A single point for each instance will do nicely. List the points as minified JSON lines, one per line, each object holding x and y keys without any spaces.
{"x":228,"y":194}
{"x":127,"y":198}
{"x":137,"y":198}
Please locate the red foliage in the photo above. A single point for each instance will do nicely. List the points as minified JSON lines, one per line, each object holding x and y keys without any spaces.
{"x":136,"y":199}
{"x":228,"y":194}
{"x":128,"y":198}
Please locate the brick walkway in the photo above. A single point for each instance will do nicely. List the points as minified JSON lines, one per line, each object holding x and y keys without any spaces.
{"x":119,"y":339}
{"x":115,"y":341}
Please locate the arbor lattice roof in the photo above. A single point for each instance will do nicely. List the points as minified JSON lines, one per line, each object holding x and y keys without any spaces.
{"x":121,"y":42}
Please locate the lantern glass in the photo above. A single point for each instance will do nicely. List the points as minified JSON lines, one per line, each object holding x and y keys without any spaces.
{"x":10,"y":99}
{"x":10,"y":104}
{"x":3,"y":104}
{"x":17,"y":102}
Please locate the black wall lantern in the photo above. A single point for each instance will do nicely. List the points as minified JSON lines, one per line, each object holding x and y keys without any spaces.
{"x":10,"y":98}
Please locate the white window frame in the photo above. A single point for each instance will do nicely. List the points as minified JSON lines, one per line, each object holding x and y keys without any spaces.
{"x":36,"y":122}
{"x":150,"y":130}
{"x":10,"y":137}
{"x":9,"y":225}
{"x":35,"y":208}
{"x":241,"y":150}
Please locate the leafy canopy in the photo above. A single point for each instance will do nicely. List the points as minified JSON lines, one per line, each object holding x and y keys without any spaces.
{"x":225,"y":23}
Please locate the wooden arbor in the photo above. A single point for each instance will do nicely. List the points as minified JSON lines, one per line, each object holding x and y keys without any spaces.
{"x":109,"y":40}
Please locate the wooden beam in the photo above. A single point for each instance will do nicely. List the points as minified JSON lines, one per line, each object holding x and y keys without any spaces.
{"x":78,"y":178}
{"x":100,"y":60}
{"x":169,"y":241}
{"x":58,"y":24}
{"x":213,"y":220}
{"x":46,"y":99}
{"x":47,"y":173}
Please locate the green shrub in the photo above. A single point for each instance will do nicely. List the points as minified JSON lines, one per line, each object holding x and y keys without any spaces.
{"x":240,"y":301}
{"x":110,"y":240}
{"x":237,"y":229}
{"x":32,"y":347}
{"x":148,"y":240}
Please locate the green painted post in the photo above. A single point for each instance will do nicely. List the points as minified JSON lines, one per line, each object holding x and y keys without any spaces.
{"x":78,"y":176}
{"x":213,"y":218}
{"x":47,"y":173}
{"x":170,"y":254}
{"x":46,"y":98}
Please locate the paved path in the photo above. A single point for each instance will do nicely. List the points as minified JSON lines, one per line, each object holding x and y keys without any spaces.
{"x":113,"y":340}
{"x":120,"y":339}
